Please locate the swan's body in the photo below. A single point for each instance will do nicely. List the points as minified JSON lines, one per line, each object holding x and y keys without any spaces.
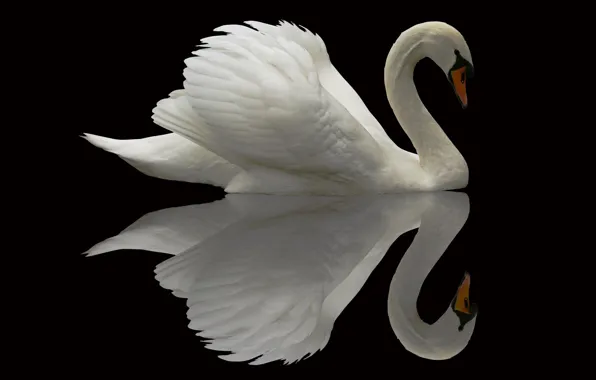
{"x":263,"y":110}
{"x":265,"y":277}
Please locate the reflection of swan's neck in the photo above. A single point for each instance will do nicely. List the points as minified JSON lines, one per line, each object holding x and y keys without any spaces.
{"x":439,"y":225}
{"x":431,"y":143}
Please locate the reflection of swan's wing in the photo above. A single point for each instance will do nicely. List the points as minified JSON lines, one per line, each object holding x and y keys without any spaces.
{"x":261,"y":286}
{"x":172,"y":230}
{"x":440,"y":223}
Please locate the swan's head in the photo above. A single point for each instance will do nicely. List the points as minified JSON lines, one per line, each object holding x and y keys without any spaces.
{"x":458,"y":74}
{"x":447,"y":48}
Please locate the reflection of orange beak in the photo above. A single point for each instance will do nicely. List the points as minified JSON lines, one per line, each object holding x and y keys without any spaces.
{"x":462,"y":301}
{"x":459,"y":84}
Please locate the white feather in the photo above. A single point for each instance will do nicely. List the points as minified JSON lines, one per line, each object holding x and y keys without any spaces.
{"x":264,"y":88}
{"x":171,"y":156}
{"x":171,"y":230}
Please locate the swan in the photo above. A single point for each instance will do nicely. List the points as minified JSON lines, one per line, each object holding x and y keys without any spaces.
{"x":265,"y":277}
{"x":263,"y":110}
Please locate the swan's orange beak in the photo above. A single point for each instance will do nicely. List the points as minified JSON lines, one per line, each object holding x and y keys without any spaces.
{"x":458,"y":79}
{"x":462,"y":301}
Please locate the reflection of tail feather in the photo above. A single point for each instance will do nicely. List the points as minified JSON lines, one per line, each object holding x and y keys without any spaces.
{"x":171,"y":230}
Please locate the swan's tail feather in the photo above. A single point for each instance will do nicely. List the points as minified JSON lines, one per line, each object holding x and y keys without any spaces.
{"x":171,"y":156}
{"x":176,"y":115}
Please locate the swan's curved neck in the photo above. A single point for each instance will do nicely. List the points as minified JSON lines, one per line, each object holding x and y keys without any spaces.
{"x":434,"y":148}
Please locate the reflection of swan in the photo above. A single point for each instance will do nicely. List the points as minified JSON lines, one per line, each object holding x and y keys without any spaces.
{"x":265,"y":111}
{"x":265,"y":276}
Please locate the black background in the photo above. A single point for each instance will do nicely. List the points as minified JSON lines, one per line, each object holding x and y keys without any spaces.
{"x":115,"y":316}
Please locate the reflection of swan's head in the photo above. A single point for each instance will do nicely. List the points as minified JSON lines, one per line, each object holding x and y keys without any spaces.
{"x":447,"y":48}
{"x":462,"y":306}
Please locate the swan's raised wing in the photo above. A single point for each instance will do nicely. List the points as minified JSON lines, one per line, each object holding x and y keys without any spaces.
{"x":270,"y":288}
{"x":261,"y":104}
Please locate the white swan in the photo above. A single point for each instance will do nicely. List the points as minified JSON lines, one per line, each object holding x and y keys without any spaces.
{"x":265,"y":277}
{"x":263,"y":110}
